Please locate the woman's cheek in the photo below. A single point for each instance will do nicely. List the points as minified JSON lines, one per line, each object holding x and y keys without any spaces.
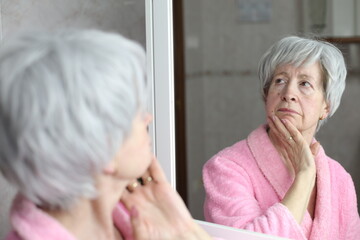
{"x":307,"y":91}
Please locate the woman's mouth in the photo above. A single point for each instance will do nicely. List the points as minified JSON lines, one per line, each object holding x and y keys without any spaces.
{"x":288,"y":111}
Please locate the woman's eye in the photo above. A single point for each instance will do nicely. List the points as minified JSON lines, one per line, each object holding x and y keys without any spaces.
{"x":279,"y":80}
{"x":305,"y":84}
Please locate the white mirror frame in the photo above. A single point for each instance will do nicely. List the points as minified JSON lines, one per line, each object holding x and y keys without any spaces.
{"x":160,"y":74}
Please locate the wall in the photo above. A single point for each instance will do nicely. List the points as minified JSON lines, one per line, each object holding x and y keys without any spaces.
{"x":124,"y":16}
{"x":222,"y":89}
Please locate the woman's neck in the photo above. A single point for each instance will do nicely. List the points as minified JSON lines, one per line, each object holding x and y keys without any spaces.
{"x":280,"y":149}
{"x":308,"y":135}
{"x":92,"y":218}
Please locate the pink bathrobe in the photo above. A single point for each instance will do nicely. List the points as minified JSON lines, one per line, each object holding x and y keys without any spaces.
{"x":31,"y":223}
{"x":245,"y":183}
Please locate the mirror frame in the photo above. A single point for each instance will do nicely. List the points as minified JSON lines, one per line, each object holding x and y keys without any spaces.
{"x":160,"y":75}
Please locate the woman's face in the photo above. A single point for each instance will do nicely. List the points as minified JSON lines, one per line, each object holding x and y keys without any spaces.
{"x":297,"y":95}
{"x":135,"y":154}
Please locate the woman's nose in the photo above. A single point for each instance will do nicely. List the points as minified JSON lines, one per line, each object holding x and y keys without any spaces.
{"x":148,"y":118}
{"x":289,"y":94}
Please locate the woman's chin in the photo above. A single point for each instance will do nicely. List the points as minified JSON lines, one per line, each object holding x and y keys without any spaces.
{"x":290,"y":119}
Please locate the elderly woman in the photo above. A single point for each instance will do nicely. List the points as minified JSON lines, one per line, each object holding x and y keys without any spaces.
{"x":279,"y":180}
{"x":73,"y":134}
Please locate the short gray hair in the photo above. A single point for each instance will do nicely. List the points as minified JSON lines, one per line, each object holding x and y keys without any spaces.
{"x":299,"y":51}
{"x":67,"y":101}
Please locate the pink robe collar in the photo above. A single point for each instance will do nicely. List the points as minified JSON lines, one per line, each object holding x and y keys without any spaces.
{"x":31,"y":223}
{"x":275,"y":171}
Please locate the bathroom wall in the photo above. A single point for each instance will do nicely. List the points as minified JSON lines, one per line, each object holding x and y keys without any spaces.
{"x":124,"y":16}
{"x":222,"y":90}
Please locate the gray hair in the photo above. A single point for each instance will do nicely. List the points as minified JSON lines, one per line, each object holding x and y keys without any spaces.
{"x":67,"y":101}
{"x":300,"y":51}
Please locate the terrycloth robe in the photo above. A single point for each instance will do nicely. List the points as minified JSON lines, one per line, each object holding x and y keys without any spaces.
{"x":246,"y":182}
{"x":31,"y":223}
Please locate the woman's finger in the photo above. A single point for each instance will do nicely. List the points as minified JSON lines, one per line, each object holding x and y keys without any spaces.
{"x":133,"y":185}
{"x":139,"y":229}
{"x":275,"y":132}
{"x":315,"y":147}
{"x":156,"y":171}
{"x":127,"y":200}
{"x":273,"y":127}
{"x":293,"y":131}
{"x":147,"y":178}
{"x":280,"y":130}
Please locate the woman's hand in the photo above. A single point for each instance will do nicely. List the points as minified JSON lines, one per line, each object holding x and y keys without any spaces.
{"x":292,"y":146}
{"x":157,"y":211}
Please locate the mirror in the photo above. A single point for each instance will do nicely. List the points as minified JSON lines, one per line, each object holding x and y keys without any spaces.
{"x":223,"y":42}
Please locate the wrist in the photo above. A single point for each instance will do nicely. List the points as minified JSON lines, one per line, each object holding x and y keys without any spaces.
{"x":306,"y":177}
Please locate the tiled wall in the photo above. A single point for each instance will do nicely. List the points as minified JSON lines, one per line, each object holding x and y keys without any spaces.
{"x":223,"y":100}
{"x":124,"y":16}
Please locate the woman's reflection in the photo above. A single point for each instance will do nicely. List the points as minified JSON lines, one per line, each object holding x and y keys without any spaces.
{"x":279,"y":180}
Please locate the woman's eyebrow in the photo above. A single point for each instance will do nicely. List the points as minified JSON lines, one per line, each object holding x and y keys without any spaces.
{"x":305,"y":76}
{"x":281,"y":73}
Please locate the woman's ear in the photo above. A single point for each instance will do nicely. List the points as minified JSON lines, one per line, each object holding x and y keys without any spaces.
{"x":325,"y":111}
{"x":110,"y":168}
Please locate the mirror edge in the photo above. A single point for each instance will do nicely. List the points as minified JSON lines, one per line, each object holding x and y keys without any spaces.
{"x":160,"y":74}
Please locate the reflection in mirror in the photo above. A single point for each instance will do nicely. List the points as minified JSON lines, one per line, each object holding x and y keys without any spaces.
{"x":223,"y":100}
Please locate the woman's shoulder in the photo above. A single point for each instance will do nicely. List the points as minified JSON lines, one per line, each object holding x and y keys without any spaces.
{"x":238,"y":148}
{"x":338,"y":173}
{"x":343,"y":189}
{"x":234,"y":162}
{"x":237,"y":157}
{"x":238,"y":153}
{"x":233,"y":153}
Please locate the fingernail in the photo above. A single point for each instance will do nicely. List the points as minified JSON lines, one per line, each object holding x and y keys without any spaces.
{"x":134,"y":212}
